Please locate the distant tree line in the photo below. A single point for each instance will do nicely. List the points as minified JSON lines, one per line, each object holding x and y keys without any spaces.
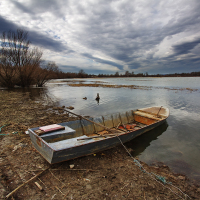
{"x":82,"y":74}
{"x":191,"y":74}
{"x":126,"y":74}
{"x":132,"y":74}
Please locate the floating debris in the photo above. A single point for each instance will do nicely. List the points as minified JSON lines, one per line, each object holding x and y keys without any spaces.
{"x":70,"y":107}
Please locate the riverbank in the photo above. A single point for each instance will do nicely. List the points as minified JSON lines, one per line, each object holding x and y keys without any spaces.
{"x":111,"y":174}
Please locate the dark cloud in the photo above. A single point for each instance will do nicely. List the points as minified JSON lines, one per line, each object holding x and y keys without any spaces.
{"x":36,"y":7}
{"x":134,"y":65}
{"x":89,"y":70}
{"x":115,"y":36}
{"x":22,"y":7}
{"x":6,"y":25}
{"x":112,"y":33}
{"x":35,"y":37}
{"x":185,"y":47}
{"x":69,"y":68}
{"x":48,"y":43}
{"x":99,"y":60}
{"x":187,"y":21}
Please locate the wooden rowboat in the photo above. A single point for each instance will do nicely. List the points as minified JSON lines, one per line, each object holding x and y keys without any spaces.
{"x":90,"y":135}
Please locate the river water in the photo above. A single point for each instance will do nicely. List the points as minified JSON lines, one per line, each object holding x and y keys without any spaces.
{"x":176,"y":143}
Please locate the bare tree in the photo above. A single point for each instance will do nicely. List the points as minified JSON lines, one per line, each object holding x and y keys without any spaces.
{"x":51,"y":66}
{"x":82,"y":74}
{"x":41,"y":76}
{"x":127,"y":74}
{"x":7,"y":74}
{"x":44,"y":74}
{"x":18,"y":61}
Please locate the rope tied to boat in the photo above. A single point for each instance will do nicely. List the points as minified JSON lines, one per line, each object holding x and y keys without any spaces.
{"x":161,"y":178}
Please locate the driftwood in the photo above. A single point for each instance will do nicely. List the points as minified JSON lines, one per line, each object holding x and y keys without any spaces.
{"x":11,"y":193}
{"x":39,"y":186}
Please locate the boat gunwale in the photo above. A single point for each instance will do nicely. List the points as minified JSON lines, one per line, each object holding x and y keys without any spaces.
{"x":106,"y":138}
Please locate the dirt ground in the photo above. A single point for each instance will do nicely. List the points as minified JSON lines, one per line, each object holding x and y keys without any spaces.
{"x":111,"y":174}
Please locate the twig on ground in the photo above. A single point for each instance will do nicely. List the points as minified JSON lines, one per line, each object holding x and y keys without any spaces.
{"x":38,"y":178}
{"x":144,"y":196}
{"x":11,"y":193}
{"x":66,"y":195}
{"x":42,"y":182}
{"x":56,"y":178}
{"x":59,"y":190}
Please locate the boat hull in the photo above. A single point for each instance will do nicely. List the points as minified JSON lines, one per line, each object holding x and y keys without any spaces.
{"x":81,"y":145}
{"x":97,"y":146}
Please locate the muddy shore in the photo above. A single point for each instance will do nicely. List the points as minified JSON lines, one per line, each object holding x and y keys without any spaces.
{"x":111,"y":174}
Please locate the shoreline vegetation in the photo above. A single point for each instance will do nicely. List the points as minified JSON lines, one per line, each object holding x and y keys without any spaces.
{"x":128,"y":86}
{"x":111,"y":174}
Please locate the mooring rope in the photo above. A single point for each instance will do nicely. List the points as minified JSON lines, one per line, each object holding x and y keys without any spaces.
{"x":157,"y":177}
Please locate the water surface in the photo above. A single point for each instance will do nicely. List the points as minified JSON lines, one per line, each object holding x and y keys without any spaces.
{"x":176,"y":143}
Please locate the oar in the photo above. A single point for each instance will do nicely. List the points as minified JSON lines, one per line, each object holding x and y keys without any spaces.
{"x":159,"y":111}
{"x":81,"y":117}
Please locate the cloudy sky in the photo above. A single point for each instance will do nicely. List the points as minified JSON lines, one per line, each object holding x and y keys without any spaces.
{"x":109,"y":36}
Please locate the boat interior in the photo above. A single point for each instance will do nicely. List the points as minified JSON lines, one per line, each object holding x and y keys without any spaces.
{"x":110,"y":125}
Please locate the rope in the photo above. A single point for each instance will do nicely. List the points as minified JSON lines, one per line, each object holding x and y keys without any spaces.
{"x":6,"y":133}
{"x":2,"y":127}
{"x":152,"y":175}
{"x":161,"y":178}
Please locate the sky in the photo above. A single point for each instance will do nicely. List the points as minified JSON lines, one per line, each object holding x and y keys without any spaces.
{"x":109,"y":36}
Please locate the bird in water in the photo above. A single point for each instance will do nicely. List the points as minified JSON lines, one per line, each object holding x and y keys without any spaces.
{"x":98,"y":97}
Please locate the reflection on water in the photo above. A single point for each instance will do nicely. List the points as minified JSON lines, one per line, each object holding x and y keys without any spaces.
{"x":139,"y":144}
{"x":37,"y":94}
{"x":33,"y":93}
{"x":182,"y":167}
{"x":97,"y":100}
